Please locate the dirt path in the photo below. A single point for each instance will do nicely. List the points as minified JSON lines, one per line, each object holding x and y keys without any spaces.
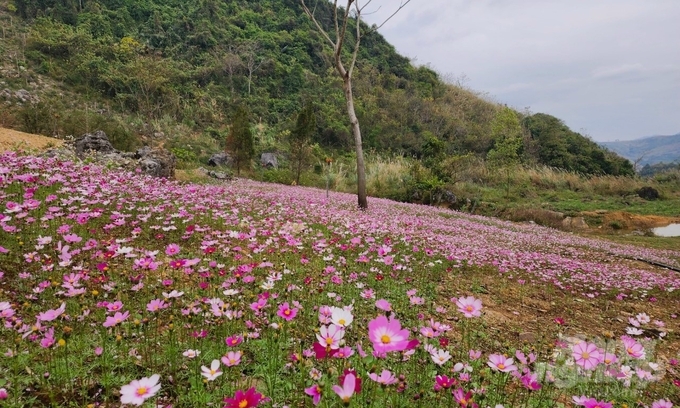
{"x":13,"y":140}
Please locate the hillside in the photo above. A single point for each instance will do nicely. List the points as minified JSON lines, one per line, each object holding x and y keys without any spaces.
{"x":648,"y":150}
{"x":174,"y":72}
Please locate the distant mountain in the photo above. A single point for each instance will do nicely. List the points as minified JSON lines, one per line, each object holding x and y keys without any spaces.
{"x":648,"y":150}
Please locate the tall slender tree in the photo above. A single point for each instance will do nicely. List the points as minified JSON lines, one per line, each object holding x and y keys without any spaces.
{"x":344,"y":66}
{"x":240,"y":140}
{"x":300,"y":136}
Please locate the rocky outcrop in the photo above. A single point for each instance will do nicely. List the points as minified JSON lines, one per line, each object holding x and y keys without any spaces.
{"x":96,"y":147}
{"x":269,"y":160}
{"x":95,"y":142}
{"x":219,"y":159}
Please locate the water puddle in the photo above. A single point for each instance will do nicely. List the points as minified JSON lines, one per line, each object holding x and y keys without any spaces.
{"x":672,"y":230}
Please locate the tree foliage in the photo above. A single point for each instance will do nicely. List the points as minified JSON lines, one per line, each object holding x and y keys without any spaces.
{"x":300,"y":138}
{"x":191,"y":62}
{"x":240,"y":142}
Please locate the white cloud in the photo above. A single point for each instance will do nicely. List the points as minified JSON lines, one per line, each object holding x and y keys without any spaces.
{"x":609,"y":66}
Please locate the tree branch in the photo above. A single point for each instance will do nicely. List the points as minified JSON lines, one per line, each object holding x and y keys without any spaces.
{"x":316,"y":23}
{"x":377,"y":27}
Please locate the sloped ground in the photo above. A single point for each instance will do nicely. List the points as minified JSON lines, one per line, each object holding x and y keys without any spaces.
{"x":14,"y":140}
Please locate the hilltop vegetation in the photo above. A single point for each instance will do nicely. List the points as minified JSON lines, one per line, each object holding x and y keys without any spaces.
{"x":180,"y":69}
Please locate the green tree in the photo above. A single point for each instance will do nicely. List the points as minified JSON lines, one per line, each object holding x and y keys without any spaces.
{"x":240,"y":142}
{"x":300,"y":137}
{"x":506,"y":133}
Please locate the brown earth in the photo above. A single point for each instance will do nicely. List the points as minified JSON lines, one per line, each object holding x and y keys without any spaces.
{"x":14,"y":140}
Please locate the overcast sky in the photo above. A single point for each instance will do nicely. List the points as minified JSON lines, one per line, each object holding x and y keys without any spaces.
{"x":608,"y":68}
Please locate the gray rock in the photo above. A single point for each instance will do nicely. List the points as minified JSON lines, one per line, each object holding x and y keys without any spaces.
{"x":159,"y":163}
{"x":96,"y":142}
{"x":269,"y":160}
{"x":648,"y":193}
{"x":219,"y":159}
{"x":220,"y":175}
{"x":23,"y":95}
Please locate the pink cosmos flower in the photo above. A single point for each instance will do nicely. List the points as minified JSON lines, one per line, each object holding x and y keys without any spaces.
{"x":474,"y":354}
{"x":469,"y":306}
{"x":587,"y":355}
{"x":115,"y":319}
{"x":115,"y":306}
{"x":386,"y":377}
{"x":156,"y":304}
{"x":387,"y":335}
{"x":633,"y":348}
{"x":463,"y":398}
{"x":3,"y":392}
{"x":52,"y":314}
{"x":499,"y":362}
{"x":593,"y":403}
{"x":662,"y":403}
{"x":285,"y":312}
{"x":384,"y":305}
{"x":172,"y":249}
{"x":140,"y":390}
{"x":344,"y":352}
{"x":346,"y":391}
{"x":233,"y":358}
{"x":330,"y":336}
{"x":315,"y":392}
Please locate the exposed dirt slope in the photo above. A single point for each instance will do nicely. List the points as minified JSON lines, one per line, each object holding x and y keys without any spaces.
{"x":13,"y":140}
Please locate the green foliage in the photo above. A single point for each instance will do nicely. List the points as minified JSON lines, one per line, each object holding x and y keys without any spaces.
{"x":240,"y":142}
{"x":557,"y":146}
{"x":194,"y":61}
{"x":300,"y":137}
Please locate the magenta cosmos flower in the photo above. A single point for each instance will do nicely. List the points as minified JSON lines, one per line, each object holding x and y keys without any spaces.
{"x":469,"y":306}
{"x":315,"y":392}
{"x":499,"y":362}
{"x":587,"y":355}
{"x":285,"y":312}
{"x":139,"y":391}
{"x":662,"y":403}
{"x":387,"y":335}
{"x":241,"y":399}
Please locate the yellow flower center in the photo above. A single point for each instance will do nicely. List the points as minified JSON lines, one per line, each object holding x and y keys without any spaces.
{"x":585,"y":355}
{"x":385,"y":339}
{"x":342,"y":322}
{"x":286,"y":312}
{"x":329,"y":340}
{"x":141,"y":391}
{"x":469,"y":308}
{"x":501,"y":366}
{"x":243,"y":404}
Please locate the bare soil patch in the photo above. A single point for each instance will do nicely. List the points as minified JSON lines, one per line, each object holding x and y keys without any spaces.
{"x":13,"y":140}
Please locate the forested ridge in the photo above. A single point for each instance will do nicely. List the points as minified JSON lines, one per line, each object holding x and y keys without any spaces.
{"x":189,"y":64}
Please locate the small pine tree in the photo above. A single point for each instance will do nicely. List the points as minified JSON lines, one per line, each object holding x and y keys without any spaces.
{"x":299,"y":138}
{"x":240,"y":141}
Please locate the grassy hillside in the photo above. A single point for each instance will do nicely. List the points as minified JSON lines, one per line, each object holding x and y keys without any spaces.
{"x":174,"y":72}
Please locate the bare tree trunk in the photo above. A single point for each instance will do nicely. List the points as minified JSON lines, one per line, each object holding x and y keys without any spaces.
{"x":341,"y":25}
{"x":356,"y":131}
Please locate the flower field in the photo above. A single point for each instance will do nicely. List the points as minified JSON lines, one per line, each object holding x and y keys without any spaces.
{"x":118,"y":288}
